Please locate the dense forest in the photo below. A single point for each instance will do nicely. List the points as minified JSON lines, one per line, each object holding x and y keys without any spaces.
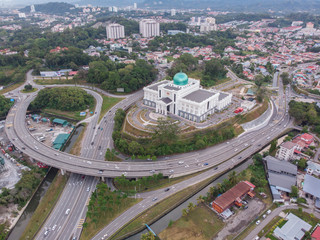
{"x":65,"y":99}
{"x":306,"y":114}
{"x":210,"y":71}
{"x":113,"y":75}
{"x":5,"y":105}
{"x":219,"y":41}
{"x":57,"y":8}
{"x":165,"y":139}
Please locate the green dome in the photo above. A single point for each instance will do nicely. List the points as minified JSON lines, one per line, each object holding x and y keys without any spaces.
{"x":180,"y":79}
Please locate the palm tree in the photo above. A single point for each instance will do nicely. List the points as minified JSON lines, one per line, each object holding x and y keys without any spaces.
{"x":233,"y":178}
{"x":191,"y":206}
{"x":200,"y":199}
{"x":184,"y":212}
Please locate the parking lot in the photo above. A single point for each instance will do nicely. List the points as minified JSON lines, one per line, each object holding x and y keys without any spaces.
{"x":242,"y":218}
{"x":46,"y":132}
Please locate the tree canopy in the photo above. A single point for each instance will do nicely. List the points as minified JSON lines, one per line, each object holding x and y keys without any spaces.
{"x":118,"y":75}
{"x":5,"y":105}
{"x":65,"y":99}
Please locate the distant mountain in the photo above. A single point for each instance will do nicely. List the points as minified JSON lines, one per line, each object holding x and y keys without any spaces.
{"x":237,"y":5}
{"x":57,"y":8}
{"x":107,"y":3}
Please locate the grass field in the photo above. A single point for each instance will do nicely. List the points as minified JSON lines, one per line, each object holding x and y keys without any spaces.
{"x":76,"y":149}
{"x":92,"y":229}
{"x":200,"y":224}
{"x":45,"y":206}
{"x":160,"y":208}
{"x":74,"y":115}
{"x":108,"y":102}
{"x":12,"y":87}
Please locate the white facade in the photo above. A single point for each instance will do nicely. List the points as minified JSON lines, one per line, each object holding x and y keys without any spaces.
{"x":188,"y":101}
{"x":149,"y":28}
{"x":173,"y":12}
{"x":286,"y":151}
{"x":115,"y":31}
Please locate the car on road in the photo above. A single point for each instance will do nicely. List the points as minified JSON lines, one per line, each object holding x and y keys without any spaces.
{"x":56,"y":154}
{"x":269,"y":211}
{"x":46,"y":233}
{"x":36,"y":147}
{"x":67,"y":211}
{"x":167,"y":189}
{"x":236,"y":149}
{"x":240,"y":157}
{"x":171,"y":171}
{"x":258,"y":222}
{"x":268,"y":138}
{"x":152,"y":171}
{"x":92,"y":143}
{"x":88,"y":189}
{"x":245,"y":207}
{"x":100,"y":171}
{"x":206,"y":164}
{"x":54,"y":227}
{"x":215,"y":168}
{"x":180,"y":162}
{"x":99,"y":148}
{"x":154,"y":199}
{"x":186,"y":165}
{"x":74,"y":238}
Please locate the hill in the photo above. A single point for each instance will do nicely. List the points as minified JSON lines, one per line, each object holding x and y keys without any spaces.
{"x":57,"y":8}
{"x":236,"y":5}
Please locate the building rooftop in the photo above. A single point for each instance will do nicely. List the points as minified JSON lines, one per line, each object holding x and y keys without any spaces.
{"x":293,"y":229}
{"x":282,"y":182}
{"x":316,"y":234}
{"x":222,"y":95}
{"x":232,"y":194}
{"x":172,"y":88}
{"x":311,"y":185}
{"x":156,"y":85}
{"x":199,"y":96}
{"x":279,"y":166}
{"x":288,"y":145}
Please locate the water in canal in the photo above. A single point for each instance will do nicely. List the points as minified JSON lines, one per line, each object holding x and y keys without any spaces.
{"x":176,"y":213}
{"x":34,"y":202}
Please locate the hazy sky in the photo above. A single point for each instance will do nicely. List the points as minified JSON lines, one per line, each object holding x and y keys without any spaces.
{"x":28,"y":2}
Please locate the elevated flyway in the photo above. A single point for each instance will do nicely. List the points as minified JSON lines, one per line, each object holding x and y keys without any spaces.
{"x":17,"y":132}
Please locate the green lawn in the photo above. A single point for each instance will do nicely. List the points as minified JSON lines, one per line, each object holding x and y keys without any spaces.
{"x":108,"y":102}
{"x":92,"y":229}
{"x":160,"y":209}
{"x":74,"y":115}
{"x":45,"y":206}
{"x":200,"y":223}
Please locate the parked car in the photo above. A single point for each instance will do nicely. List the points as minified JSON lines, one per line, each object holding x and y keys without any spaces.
{"x":167,"y":189}
{"x":258,"y":222}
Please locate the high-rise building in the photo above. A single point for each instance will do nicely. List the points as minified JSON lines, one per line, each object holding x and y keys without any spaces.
{"x":173,"y":12}
{"x":115,"y":31}
{"x":149,"y":28}
{"x":32,"y":9}
{"x":208,"y":25}
{"x":135,"y":6}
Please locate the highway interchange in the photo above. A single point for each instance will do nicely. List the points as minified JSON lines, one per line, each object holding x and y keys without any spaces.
{"x":91,"y":162}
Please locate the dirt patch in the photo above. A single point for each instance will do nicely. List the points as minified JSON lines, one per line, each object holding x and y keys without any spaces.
{"x":241,"y":219}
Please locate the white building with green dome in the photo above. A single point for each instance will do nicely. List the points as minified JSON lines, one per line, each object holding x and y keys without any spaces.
{"x":184,"y":97}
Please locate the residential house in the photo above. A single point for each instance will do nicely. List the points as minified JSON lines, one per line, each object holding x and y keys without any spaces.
{"x":286,"y":151}
{"x":311,"y":188}
{"x":293,"y":229}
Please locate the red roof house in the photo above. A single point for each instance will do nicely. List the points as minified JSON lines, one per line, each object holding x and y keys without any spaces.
{"x":316,"y":234}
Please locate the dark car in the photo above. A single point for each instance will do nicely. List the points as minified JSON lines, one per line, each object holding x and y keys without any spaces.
{"x":167,"y":189}
{"x":99,"y":148}
{"x":215,"y":168}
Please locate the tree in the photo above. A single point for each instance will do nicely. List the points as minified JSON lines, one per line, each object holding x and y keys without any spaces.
{"x":191,"y":206}
{"x":302,"y":164}
{"x":148,"y":236}
{"x":273,"y":146}
{"x":294,"y":192}
{"x":28,"y":87}
{"x":184,"y":212}
{"x":233,"y":178}
{"x":285,"y":78}
{"x":165,"y":132}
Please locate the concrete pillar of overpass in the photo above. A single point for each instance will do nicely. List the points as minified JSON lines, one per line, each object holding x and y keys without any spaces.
{"x":102,"y":179}
{"x":63,"y":172}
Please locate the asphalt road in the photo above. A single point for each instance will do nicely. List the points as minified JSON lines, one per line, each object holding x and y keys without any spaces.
{"x":226,"y":154}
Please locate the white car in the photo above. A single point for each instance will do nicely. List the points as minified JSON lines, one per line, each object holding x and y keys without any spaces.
{"x":180,"y":162}
{"x":67,"y":211}
{"x":258,"y":222}
{"x":54,"y":227}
